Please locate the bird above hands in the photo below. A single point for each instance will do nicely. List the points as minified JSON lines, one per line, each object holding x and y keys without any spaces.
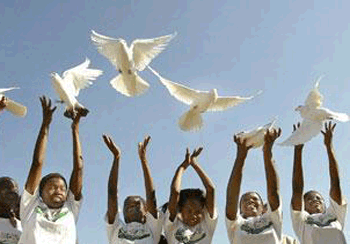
{"x":68,"y":87}
{"x":200,"y":102}
{"x":10,"y":105}
{"x":129,"y":60}
{"x":314,"y":116}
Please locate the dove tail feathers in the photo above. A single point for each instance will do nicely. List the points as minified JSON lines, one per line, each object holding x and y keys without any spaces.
{"x":130,"y":85}
{"x":16,"y":108}
{"x":342,"y":117}
{"x":191,"y":121}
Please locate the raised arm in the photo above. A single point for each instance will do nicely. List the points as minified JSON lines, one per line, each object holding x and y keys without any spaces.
{"x":273,"y":186}
{"x":112,"y":208}
{"x":234,"y":184}
{"x":335,"y":189}
{"x":298,"y":178}
{"x":35,"y":171}
{"x":151,"y":201}
{"x":76,"y":179}
{"x":3,"y":103}
{"x":208,"y":184}
{"x":176,"y":186}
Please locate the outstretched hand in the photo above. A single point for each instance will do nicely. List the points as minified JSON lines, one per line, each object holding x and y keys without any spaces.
{"x":111,"y":146}
{"x":187,"y":160}
{"x":3,"y":103}
{"x":271,"y":135}
{"x":195,"y":154}
{"x":242,"y":146}
{"x":47,"y":110}
{"x":76,"y":117}
{"x":328,"y":133}
{"x":142,"y":147}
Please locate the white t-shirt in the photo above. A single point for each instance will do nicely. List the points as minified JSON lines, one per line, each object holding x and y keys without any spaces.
{"x":8,"y":233}
{"x":134,"y":233}
{"x":263,"y":229}
{"x":42,"y":225}
{"x":177,"y":232}
{"x":321,"y":228}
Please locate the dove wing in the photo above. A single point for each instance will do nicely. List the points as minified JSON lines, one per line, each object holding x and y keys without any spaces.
{"x":180,"y":92}
{"x":223,"y":103}
{"x":80,"y":77}
{"x":144,"y":50}
{"x":107,"y":46}
{"x":307,"y":130}
{"x":2,"y":90}
{"x":314,"y":98}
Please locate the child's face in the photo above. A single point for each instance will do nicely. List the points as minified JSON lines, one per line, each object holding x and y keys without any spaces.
{"x":134,"y":210}
{"x":251,"y":205}
{"x":314,"y":203}
{"x":192,"y":212}
{"x":54,"y":193}
{"x":9,"y":196}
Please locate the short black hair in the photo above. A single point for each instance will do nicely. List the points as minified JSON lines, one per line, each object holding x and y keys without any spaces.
{"x":248,"y":193}
{"x":306,"y":194}
{"x":135,"y":196}
{"x":191,"y":193}
{"x":46,"y":178}
{"x":5,"y":179}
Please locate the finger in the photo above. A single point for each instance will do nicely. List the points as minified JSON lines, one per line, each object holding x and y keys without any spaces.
{"x":147,"y":139}
{"x":54,"y":108}
{"x":294,"y":128}
{"x":279,"y":131}
{"x":298,"y":124}
{"x":325,"y":126}
{"x":333,"y":126}
{"x":324,"y":133}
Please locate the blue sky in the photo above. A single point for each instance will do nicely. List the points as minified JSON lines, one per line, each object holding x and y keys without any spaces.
{"x":238,"y":47}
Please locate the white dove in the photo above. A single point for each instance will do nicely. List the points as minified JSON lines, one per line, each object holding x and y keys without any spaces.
{"x":68,"y":88}
{"x":313,"y":117}
{"x":12,"y":106}
{"x":129,"y":60}
{"x":255,"y":138}
{"x":200,"y":102}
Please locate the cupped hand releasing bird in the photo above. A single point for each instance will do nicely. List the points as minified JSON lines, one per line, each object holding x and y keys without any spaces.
{"x":15,"y":108}
{"x":200,"y":102}
{"x":68,"y":87}
{"x":129,"y":60}
{"x":255,"y":138}
{"x":313,"y":115}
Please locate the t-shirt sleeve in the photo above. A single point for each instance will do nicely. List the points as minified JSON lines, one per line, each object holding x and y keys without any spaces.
{"x":169,"y":226}
{"x":211,"y":222}
{"x":338,"y":210}
{"x":28,"y":204}
{"x":74,"y":205}
{"x":155,"y":225}
{"x":112,"y":229}
{"x":232,"y":226}
{"x":298,"y":221}
{"x":276,"y":219}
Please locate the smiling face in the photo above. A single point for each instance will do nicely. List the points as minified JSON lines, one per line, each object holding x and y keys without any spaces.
{"x":314,"y":202}
{"x":54,"y":192}
{"x":192,"y":212}
{"x":9,"y":196}
{"x":251,"y":205}
{"x":134,"y":210}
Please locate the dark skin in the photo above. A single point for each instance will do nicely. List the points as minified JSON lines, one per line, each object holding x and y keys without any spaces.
{"x":314,"y":202}
{"x":9,"y":195}
{"x":192,"y":212}
{"x":251,"y":204}
{"x":35,"y":172}
{"x":3,"y":103}
{"x":134,"y":208}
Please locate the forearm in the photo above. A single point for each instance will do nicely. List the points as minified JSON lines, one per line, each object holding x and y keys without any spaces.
{"x":77,"y":173}
{"x":335,"y":189}
{"x":234,"y":187}
{"x":175,"y":192}
{"x":271,"y":179}
{"x":149,"y":186}
{"x":298,"y":179}
{"x":35,"y":172}
{"x":112,"y":207}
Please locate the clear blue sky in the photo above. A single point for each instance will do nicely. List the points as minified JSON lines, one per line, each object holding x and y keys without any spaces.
{"x":238,"y":47}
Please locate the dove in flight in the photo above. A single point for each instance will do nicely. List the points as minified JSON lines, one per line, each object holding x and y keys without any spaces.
{"x":12,"y":106}
{"x":129,"y":60}
{"x":68,"y":87}
{"x":313,"y":115}
{"x":255,"y":138}
{"x":200,"y":102}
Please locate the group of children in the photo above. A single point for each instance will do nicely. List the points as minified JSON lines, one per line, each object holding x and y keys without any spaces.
{"x":48,"y":209}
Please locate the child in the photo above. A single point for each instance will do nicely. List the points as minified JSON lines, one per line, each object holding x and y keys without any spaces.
{"x":49,"y":210}
{"x":312,"y":221}
{"x":250,"y":224}
{"x":191,"y":214}
{"x":142,"y":222}
{"x":10,"y":226}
